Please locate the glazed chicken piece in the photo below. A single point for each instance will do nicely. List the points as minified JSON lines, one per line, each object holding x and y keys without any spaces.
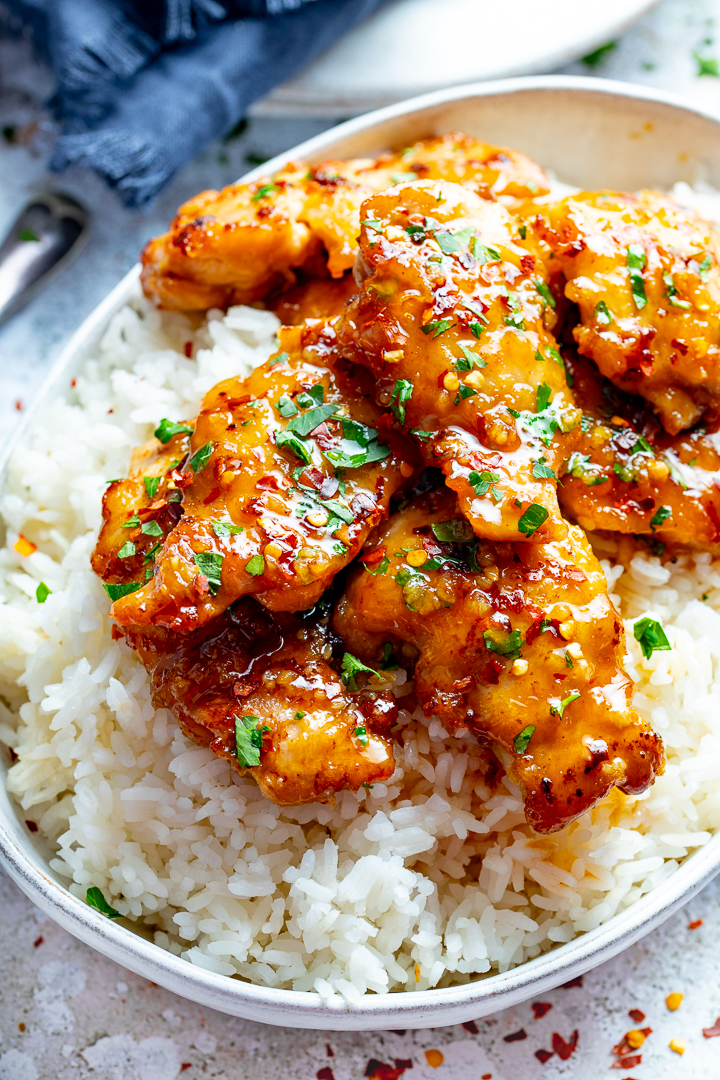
{"x":644,"y":273}
{"x":455,"y":320}
{"x":283,"y":476}
{"x":318,"y":298}
{"x":236,"y":245}
{"x":259,"y":691}
{"x":628,"y":475}
{"x":517,"y":642}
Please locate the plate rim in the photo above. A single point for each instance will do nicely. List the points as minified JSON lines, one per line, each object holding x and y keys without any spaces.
{"x":411,"y":1009}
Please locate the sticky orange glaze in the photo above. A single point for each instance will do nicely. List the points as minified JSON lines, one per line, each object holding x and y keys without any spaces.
{"x":509,"y":638}
{"x":277,"y":519}
{"x":628,"y":475}
{"x":233,"y":246}
{"x":455,"y":321}
{"x":644,"y":273}
{"x":318,"y":298}
{"x":315,"y":736}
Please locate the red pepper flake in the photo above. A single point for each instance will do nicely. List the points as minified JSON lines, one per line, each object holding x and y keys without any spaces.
{"x":565,"y":1049}
{"x":185,"y":1065}
{"x":578,"y":981}
{"x":541,"y":1008}
{"x":38,"y":941}
{"x":516,"y":1036}
{"x":695,"y":924}
{"x":73,"y":382}
{"x":32,"y":826}
{"x":627,"y":1062}
{"x":471,"y":1026}
{"x":214,"y":494}
{"x":491,"y":672}
{"x":19,"y":404}
{"x":543,"y":1056}
{"x":486,"y":1076}
{"x":325,"y":1073}
{"x":378,"y":1070}
{"x":188,"y":348}
{"x":329,"y":1050}
{"x":372,"y":558}
{"x":711,"y":1032}
{"x":637,"y":1015}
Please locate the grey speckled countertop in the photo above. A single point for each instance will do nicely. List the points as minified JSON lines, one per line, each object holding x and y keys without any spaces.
{"x":66,"y":1012}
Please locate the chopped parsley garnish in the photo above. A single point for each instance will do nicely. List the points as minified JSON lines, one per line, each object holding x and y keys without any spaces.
{"x":248,"y":740}
{"x":380,"y":568}
{"x":361,"y":735}
{"x":671,"y":294}
{"x":225,"y":528}
{"x":541,"y":471}
{"x":306,"y":423}
{"x":707,"y":65}
{"x":469,"y":360}
{"x":359,"y":446}
{"x":167,"y":428}
{"x":704,"y":267}
{"x":279,"y":359}
{"x":522,"y":232}
{"x":402,"y":392}
{"x":314,"y":396}
{"x":568,"y":660}
{"x":438,"y":327}
{"x":152,"y":483}
{"x":522,"y":740}
{"x":420,"y":434}
{"x":149,"y":557}
{"x":209,"y":563}
{"x":463,"y":393}
{"x":351,"y":667}
{"x":508,"y":645}
{"x":455,"y":531}
{"x":115,"y":592}
{"x":286,"y":407}
{"x":201,"y":457}
{"x":27,"y":235}
{"x":151,"y":528}
{"x":127,"y":550}
{"x":482,"y":482}
{"x":255,"y":566}
{"x":532,"y":519}
{"x":376,"y":226}
{"x":661,"y":514}
{"x":42,"y":592}
{"x":558,"y":710}
{"x":452,"y":242}
{"x":581,"y":467}
{"x":651,"y":637}
{"x":289,"y":440}
{"x":598,"y":55}
{"x":264,"y":191}
{"x":338,"y":510}
{"x":484,"y":254}
{"x":542,"y":397}
{"x":132,"y":522}
{"x":299,"y":715}
{"x":545,"y":293}
{"x":386,"y":663}
{"x":636,"y":263}
{"x":642,"y":446}
{"x":94,"y":898}
{"x":602,"y":313}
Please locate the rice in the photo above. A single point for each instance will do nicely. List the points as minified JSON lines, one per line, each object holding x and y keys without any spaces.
{"x":431,"y":879}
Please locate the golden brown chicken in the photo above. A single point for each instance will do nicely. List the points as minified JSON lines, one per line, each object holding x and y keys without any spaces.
{"x":236,"y":245}
{"x":517,"y":642}
{"x":644,"y":273}
{"x":455,"y":320}
{"x":316,"y":298}
{"x":282,"y":477}
{"x":259,"y":691}
{"x":628,"y":475}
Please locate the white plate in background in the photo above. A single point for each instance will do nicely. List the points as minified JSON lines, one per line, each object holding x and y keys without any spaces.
{"x":416,"y":46}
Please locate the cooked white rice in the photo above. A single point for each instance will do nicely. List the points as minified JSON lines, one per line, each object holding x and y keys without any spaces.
{"x":428,"y":880}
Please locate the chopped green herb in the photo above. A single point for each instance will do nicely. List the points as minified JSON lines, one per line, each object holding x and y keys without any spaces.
{"x":707,"y":65}
{"x":508,"y":645}
{"x":299,"y":715}
{"x":602,"y":313}
{"x":290,"y":441}
{"x":201,"y":457}
{"x":463,"y":393}
{"x":95,"y":899}
{"x":132,"y":522}
{"x":340,"y":549}
{"x":522,"y":232}
{"x":376,"y":226}
{"x":339,"y":510}
{"x":541,"y":471}
{"x":642,"y":446}
{"x":418,"y":433}
{"x":598,"y":55}
{"x":264,"y":191}
{"x":532,"y":519}
{"x":661,"y":514}
{"x":387,"y":664}
{"x":542,"y":397}
{"x":484,"y":254}
{"x":225,"y":528}
{"x":149,"y":556}
{"x":151,"y":528}
{"x":306,"y":423}
{"x":483,"y":482}
{"x":455,"y":531}
{"x":167,"y":428}
{"x":286,"y":407}
{"x":582,"y":468}
{"x":152,"y":483}
{"x":545,"y":293}
{"x":402,"y":392}
{"x":148,"y":570}
{"x":636,"y":263}
{"x":42,"y":592}
{"x":522,"y":740}
{"x":351,"y":667}
{"x":279,"y":359}
{"x":438,"y":327}
{"x":361,"y":735}
{"x":209,"y":563}
{"x":558,"y":710}
{"x":704,"y":267}
{"x":671,"y":293}
{"x":651,"y":637}
{"x":127,"y":550}
{"x":452,"y":242}
{"x":28,"y":235}
{"x":469,"y":360}
{"x":568,"y":660}
{"x":256,"y":566}
{"x":248,"y":740}
{"x":115,"y":592}
{"x":381,"y":567}
{"x":314,"y":396}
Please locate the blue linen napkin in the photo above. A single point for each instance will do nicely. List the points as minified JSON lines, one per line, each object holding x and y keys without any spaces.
{"x":143,"y":85}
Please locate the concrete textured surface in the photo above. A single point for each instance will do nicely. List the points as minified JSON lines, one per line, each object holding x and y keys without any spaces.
{"x":66,"y":1012}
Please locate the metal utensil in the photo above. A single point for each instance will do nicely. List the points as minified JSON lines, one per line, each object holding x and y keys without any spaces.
{"x":47,"y":235}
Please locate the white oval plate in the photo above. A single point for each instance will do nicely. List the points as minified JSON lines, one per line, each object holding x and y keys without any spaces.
{"x":417,"y":46}
{"x":591,"y":134}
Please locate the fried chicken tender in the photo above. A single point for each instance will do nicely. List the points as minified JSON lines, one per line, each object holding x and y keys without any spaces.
{"x":628,"y":475}
{"x":455,"y":320}
{"x":644,"y":273}
{"x":284,"y":475}
{"x":303,"y":735}
{"x":234,"y":246}
{"x":517,"y":642}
